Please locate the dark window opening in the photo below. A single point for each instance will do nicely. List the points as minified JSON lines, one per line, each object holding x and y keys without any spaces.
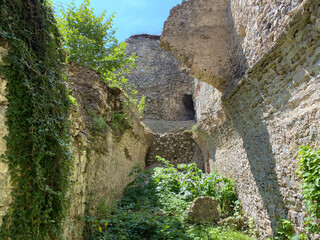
{"x":188,"y":104}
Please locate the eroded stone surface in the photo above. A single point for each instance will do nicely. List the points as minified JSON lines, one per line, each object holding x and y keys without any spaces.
{"x":204,"y":210}
{"x":102,"y":160}
{"x":160,"y":77}
{"x":220,"y":40}
{"x":196,"y":32}
{"x":254,"y":133}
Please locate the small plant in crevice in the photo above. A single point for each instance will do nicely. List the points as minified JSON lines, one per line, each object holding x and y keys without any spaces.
{"x":98,"y":123}
{"x":141,"y":106}
{"x":156,"y":202}
{"x":252,"y":229}
{"x":121,"y":122}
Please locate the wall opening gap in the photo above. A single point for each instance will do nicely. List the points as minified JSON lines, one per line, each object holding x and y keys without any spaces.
{"x":188,"y":104}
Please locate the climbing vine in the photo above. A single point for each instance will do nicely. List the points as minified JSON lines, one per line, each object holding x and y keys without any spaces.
{"x":37,"y":119}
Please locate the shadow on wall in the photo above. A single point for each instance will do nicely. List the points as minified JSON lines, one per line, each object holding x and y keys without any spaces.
{"x":249,"y":124}
{"x":238,"y":58}
{"x":253,"y":131}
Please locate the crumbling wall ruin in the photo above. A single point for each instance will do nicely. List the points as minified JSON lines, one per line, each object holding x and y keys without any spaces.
{"x":196,"y":32}
{"x":102,"y":159}
{"x":159,"y":76}
{"x":170,"y":109}
{"x":255,"y":26}
{"x":252,"y":132}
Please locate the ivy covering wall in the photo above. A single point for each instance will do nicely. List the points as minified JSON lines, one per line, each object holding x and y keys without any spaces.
{"x":37,"y":120}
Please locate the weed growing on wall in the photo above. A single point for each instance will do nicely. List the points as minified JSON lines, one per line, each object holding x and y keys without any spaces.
{"x":156,"y":202}
{"x":309,"y":171}
{"x":120,"y":122}
{"x":37,"y":120}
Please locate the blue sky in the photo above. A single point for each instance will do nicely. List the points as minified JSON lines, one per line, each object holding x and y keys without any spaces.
{"x":133,"y":16}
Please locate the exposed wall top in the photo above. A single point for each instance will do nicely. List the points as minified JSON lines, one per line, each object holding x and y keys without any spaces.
{"x":148,"y":36}
{"x":161,"y":79}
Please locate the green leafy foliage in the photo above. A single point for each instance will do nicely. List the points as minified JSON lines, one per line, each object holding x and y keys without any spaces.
{"x":309,"y":171}
{"x":141,"y":105}
{"x":89,"y":40}
{"x":156,"y":202}
{"x":286,"y":231}
{"x":37,"y":119}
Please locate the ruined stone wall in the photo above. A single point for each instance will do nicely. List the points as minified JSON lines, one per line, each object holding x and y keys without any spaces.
{"x":176,"y":147}
{"x":5,"y":187}
{"x":170,"y":110}
{"x":220,"y":39}
{"x":255,"y":25}
{"x":196,"y":32}
{"x":255,"y":134}
{"x":103,"y":158}
{"x":161,"y":79}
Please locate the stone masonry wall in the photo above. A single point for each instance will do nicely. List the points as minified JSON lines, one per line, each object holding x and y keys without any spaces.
{"x":255,"y":26}
{"x":176,"y":147}
{"x":161,"y":79}
{"x":170,"y":110}
{"x":220,"y":39}
{"x":255,"y":134}
{"x":5,"y":187}
{"x":103,"y":159}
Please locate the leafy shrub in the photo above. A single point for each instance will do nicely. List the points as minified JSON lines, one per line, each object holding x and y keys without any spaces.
{"x":215,"y":233}
{"x":309,"y":171}
{"x":190,"y":182}
{"x":90,"y":41}
{"x":155,"y":205}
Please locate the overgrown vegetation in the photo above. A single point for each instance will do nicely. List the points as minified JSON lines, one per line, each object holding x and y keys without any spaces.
{"x":90,"y":41}
{"x":37,"y":119}
{"x":286,"y":231}
{"x":309,"y":171}
{"x":156,"y":202}
{"x":309,"y":168}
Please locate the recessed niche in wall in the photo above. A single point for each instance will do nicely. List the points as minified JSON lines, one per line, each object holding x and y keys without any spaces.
{"x":188,"y":104}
